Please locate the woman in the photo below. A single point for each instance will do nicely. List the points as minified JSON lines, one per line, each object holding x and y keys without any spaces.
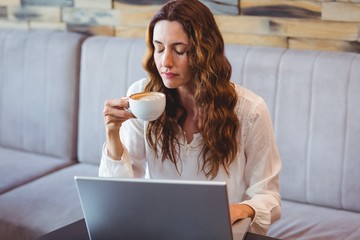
{"x":211,"y":129}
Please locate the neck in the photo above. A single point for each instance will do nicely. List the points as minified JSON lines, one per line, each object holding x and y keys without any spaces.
{"x":186,"y":97}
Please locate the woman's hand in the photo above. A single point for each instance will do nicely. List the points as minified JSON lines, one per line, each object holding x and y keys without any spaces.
{"x":114,"y":115}
{"x":240,"y":211}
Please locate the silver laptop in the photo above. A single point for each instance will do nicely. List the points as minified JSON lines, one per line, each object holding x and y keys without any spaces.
{"x":123,"y":208}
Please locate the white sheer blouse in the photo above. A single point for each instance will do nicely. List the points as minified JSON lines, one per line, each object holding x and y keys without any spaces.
{"x":254,"y":174}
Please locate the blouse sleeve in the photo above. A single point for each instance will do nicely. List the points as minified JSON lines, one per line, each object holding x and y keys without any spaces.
{"x":262,"y":169}
{"x":133,"y":160}
{"x":115,"y":168}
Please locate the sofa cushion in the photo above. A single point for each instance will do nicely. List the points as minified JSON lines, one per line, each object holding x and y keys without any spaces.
{"x":42,"y":205}
{"x":304,"y":221}
{"x":313,"y":98}
{"x":39,"y":78}
{"x":109,"y":66}
{"x":19,"y":167}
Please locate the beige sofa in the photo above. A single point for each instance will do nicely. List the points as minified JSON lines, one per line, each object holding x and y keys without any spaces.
{"x":52,"y":89}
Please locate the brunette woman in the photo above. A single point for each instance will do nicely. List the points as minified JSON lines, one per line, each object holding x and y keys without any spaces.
{"x":212,"y":129}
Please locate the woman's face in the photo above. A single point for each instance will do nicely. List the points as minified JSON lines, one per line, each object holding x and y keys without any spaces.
{"x":171,"y":53}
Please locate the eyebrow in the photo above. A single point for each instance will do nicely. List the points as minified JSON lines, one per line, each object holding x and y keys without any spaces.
{"x":174,"y":44}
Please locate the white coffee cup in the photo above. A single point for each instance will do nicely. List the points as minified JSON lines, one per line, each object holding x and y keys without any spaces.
{"x":147,"y":106}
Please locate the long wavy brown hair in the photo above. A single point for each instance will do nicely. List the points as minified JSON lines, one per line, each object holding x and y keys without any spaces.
{"x":214,"y":95}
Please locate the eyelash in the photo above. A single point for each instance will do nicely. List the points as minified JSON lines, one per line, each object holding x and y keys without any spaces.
{"x":178,"y":53}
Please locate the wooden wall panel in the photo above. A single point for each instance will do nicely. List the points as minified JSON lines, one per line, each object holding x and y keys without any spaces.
{"x":132,"y":15}
{"x":243,"y":24}
{"x":63,"y":3}
{"x":90,"y":16}
{"x":256,"y":40}
{"x":281,"y":8}
{"x":92,"y":29}
{"x":315,"y":29}
{"x":123,"y":31}
{"x":336,"y":11}
{"x":93,"y":4}
{"x":10,"y":2}
{"x":311,"y":24}
{"x":23,"y":25}
{"x":142,"y":2}
{"x":349,"y":1}
{"x":3,"y":12}
{"x":227,"y":7}
{"x":50,"y":14}
{"x":327,"y":45}
{"x":47,"y":25}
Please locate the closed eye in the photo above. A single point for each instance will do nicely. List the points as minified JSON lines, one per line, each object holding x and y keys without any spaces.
{"x":180,"y":53}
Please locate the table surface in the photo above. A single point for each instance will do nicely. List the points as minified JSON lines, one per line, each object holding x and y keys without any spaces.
{"x":77,"y":231}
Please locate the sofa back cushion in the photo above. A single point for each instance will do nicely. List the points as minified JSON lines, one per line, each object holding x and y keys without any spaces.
{"x":314,"y":99}
{"x":39,"y":75}
{"x":109,"y":66}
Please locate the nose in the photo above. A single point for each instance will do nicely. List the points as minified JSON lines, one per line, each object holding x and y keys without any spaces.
{"x":167,"y":60}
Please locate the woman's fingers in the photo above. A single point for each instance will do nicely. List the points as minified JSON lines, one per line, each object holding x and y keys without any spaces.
{"x":115,"y":112}
{"x":118,"y":103}
{"x":117,"y":107}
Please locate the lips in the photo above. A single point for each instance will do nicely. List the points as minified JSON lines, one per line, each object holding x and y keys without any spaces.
{"x":169,"y":74}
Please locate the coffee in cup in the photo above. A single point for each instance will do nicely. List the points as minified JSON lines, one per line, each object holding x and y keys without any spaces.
{"x":147,"y":106}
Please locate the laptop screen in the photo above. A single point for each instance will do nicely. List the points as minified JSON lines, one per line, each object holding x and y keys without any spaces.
{"x":123,"y":208}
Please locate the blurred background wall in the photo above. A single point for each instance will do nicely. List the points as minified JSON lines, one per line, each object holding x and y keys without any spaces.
{"x":311,"y":24}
